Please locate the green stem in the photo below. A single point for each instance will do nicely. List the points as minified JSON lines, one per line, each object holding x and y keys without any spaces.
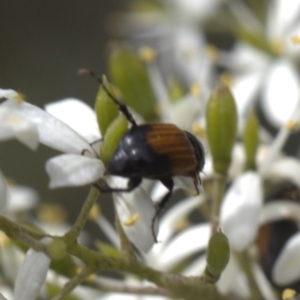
{"x":181,"y":286}
{"x":21,"y":234}
{"x":219,"y":186}
{"x":126,"y":246}
{"x":73,"y":283}
{"x":72,"y":235}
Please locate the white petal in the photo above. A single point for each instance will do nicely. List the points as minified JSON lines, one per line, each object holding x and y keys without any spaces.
{"x":189,"y":55}
{"x":240,"y":210}
{"x":280,"y":92}
{"x":2,"y":297}
{"x":190,"y":241}
{"x":245,"y":89}
{"x":286,"y":168}
{"x":53,"y":132}
{"x":263,"y":283}
{"x":175,"y":214}
{"x":3,"y":192}
{"x":193,"y":9}
{"x":31,"y":275}
{"x":228,"y":277}
{"x":78,"y":115}
{"x":186,"y":183}
{"x":136,"y":212}
{"x":238,"y":162}
{"x":287,"y":266}
{"x":280,"y":209}
{"x":73,"y":170}
{"x":189,"y":106}
{"x":196,"y":268}
{"x":15,"y":125}
{"x":245,"y":57}
{"x":8,"y":94}
{"x":108,"y":230}
{"x":22,"y":198}
{"x":282,"y":13}
{"x":11,"y":259}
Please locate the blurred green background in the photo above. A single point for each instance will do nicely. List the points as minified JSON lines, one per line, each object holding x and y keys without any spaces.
{"x":43,"y":44}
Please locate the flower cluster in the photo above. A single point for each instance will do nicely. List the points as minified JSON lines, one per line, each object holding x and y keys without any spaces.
{"x":239,"y":238}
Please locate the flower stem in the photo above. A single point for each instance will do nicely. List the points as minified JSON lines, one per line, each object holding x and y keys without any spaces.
{"x":75,"y":281}
{"x":72,"y":235}
{"x":22,"y":234}
{"x":219,"y":185}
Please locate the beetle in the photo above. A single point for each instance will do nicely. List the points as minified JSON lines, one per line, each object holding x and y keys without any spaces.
{"x":154,"y":151}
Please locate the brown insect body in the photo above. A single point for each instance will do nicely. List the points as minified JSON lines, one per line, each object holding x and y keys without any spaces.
{"x":157,"y":151}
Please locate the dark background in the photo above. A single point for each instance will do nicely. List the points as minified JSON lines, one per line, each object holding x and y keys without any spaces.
{"x":43,"y":44}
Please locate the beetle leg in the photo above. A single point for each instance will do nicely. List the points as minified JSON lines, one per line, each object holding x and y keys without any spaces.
{"x":169,"y":184}
{"x":105,"y":188}
{"x":197,"y":179}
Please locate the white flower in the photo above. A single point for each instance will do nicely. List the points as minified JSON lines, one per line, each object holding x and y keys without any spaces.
{"x":287,"y":266}
{"x":240,"y":210}
{"x":2,"y":297}
{"x":14,"y":124}
{"x":31,"y":275}
{"x":275,"y":77}
{"x":80,"y":165}
{"x":136,"y":213}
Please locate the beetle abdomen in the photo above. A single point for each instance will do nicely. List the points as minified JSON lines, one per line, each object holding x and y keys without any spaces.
{"x":172,"y":142}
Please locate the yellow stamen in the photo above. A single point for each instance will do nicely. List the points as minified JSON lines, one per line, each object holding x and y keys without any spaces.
{"x":295,"y":39}
{"x":95,"y":212}
{"x":91,"y":278}
{"x":227,"y":79}
{"x":198,"y":130}
{"x":277,"y":46}
{"x":20,"y":98}
{"x":291,"y":125}
{"x":288,"y":294}
{"x":52,"y":213}
{"x":132,"y":220}
{"x":195,"y":89}
{"x":212,"y":53}
{"x":147,"y":54}
{"x":4,"y":239}
{"x":182,"y":224}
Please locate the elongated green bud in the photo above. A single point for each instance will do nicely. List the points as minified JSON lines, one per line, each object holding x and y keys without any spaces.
{"x":218,"y":254}
{"x":106,"y":109}
{"x":130,"y":75}
{"x":251,"y":140}
{"x":221,"y":126}
{"x":112,"y":137}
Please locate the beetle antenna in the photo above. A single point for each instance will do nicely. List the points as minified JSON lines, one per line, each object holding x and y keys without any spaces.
{"x":122,"y":107}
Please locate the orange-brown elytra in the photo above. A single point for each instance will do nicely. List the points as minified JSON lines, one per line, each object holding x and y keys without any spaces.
{"x":154,"y":151}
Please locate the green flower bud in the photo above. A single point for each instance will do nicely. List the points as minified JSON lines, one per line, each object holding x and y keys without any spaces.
{"x":106,"y":109}
{"x":251,"y":140}
{"x":221,"y":126}
{"x":130,"y":75}
{"x":218,"y":253}
{"x":57,"y":249}
{"x":112,"y":137}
